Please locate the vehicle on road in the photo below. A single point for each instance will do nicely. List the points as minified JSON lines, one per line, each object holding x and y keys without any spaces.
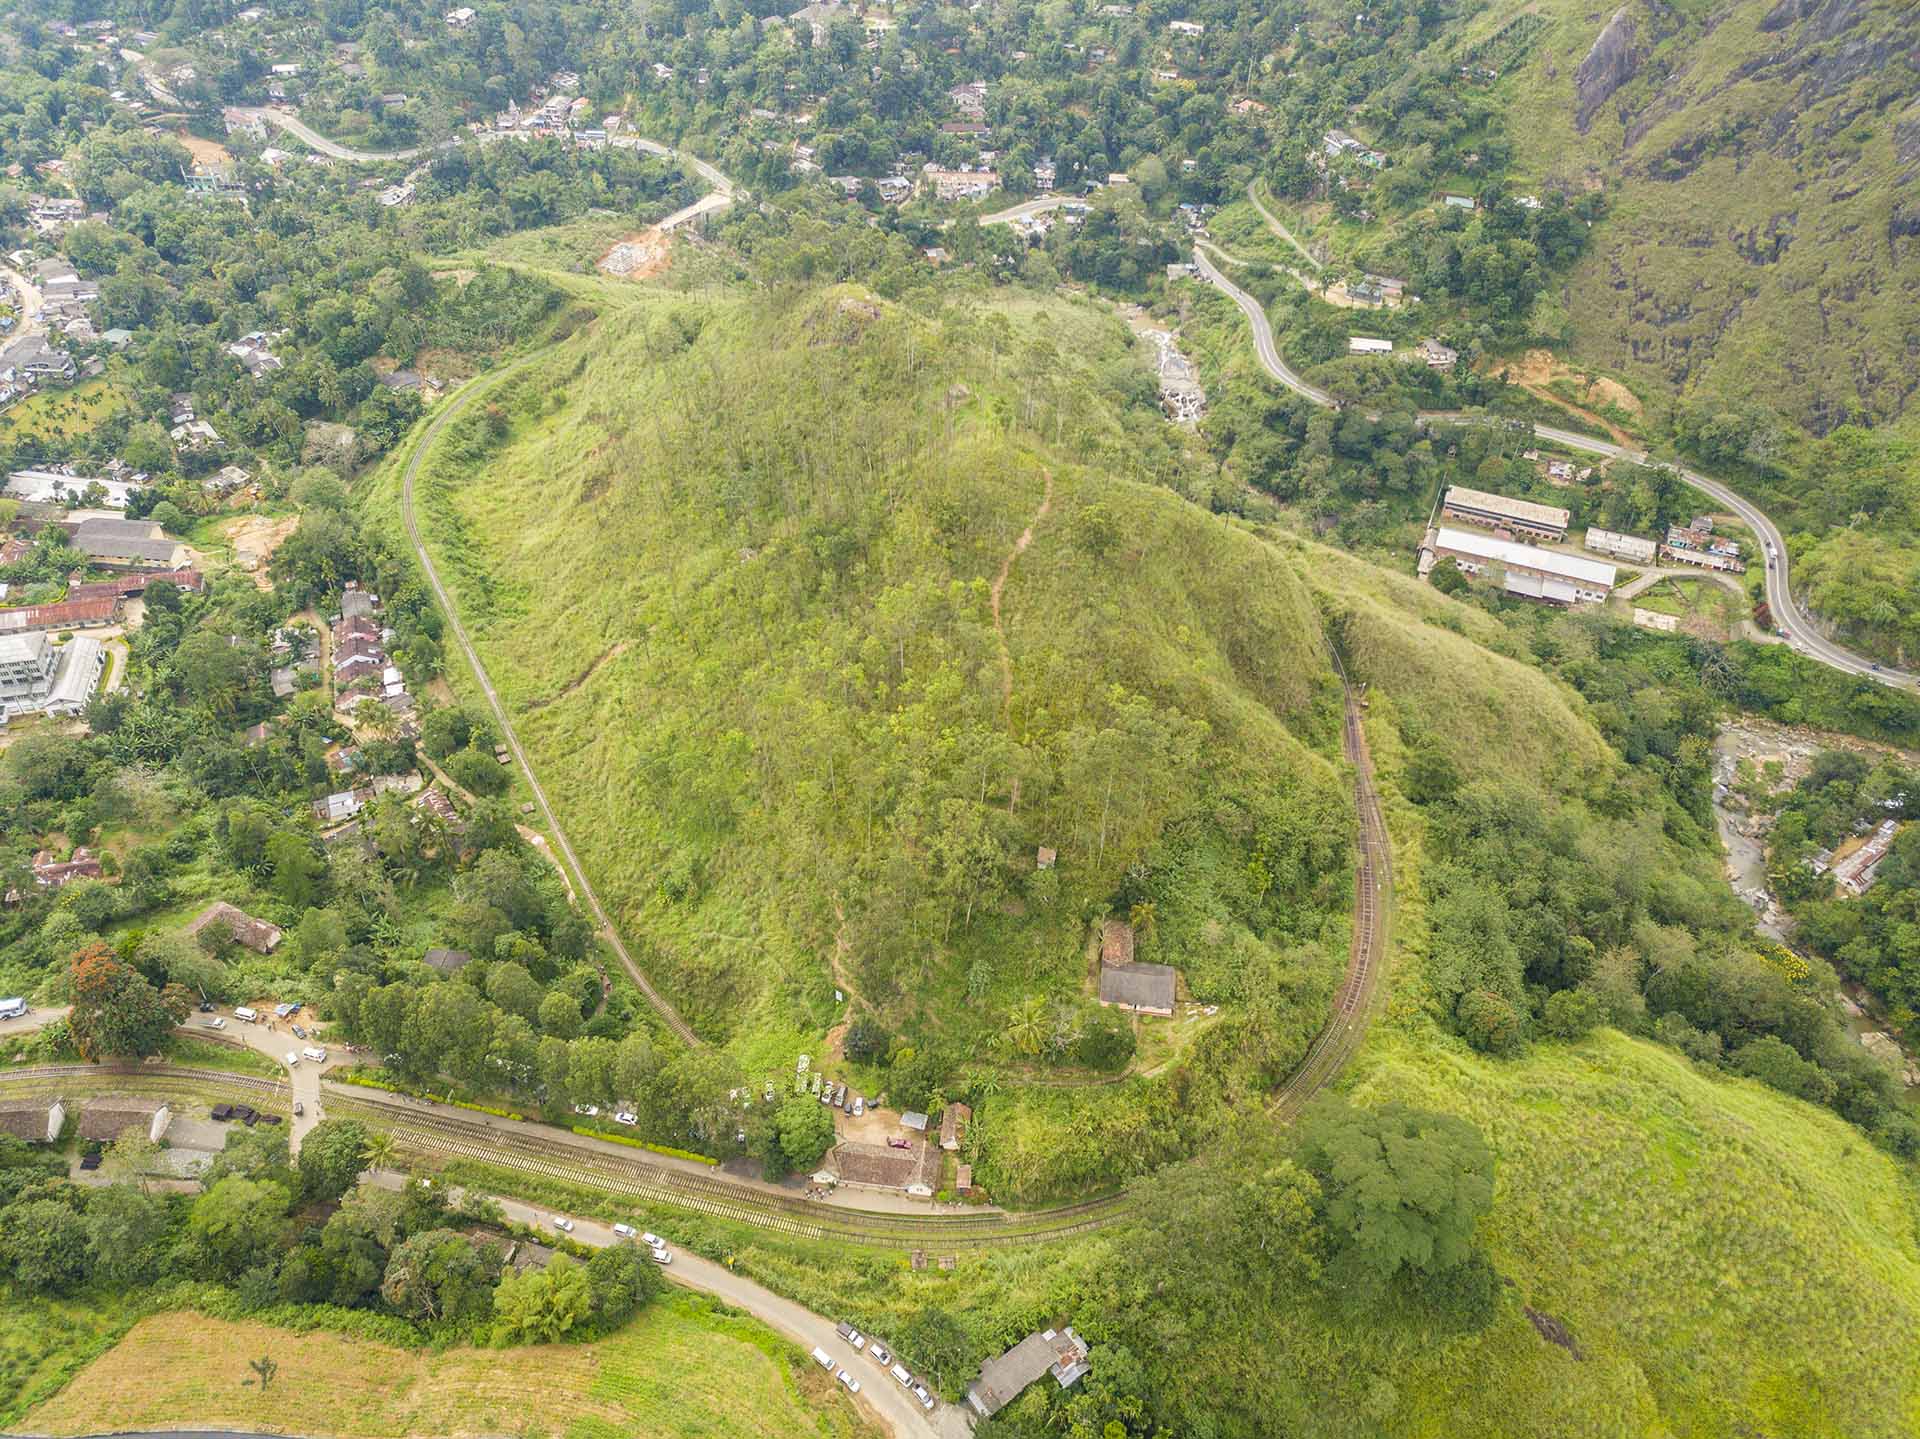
{"x":822,"y":1358}
{"x":298,"y":1032}
{"x":563,"y":1224}
{"x":293,"y":1060}
{"x":923,"y":1394}
{"x":626,"y":1231}
{"x":15,"y":1008}
{"x":653,"y":1241}
{"x":661,"y":1256}
{"x":298,"y":1108}
{"x":853,"y":1385}
{"x":880,"y":1353}
{"x":216,"y":1023}
{"x":245,"y":1015}
{"x":318,"y":1056}
{"x":626,"y":1116}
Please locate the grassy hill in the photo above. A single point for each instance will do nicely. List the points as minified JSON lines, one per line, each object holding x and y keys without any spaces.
{"x":825,"y":617}
{"x":1760,"y":161}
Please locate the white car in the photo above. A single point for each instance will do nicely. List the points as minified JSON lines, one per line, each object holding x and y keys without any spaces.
{"x":293,"y":1060}
{"x":660,"y":1256}
{"x":563,"y":1224}
{"x":652,"y":1241}
{"x":880,"y":1353}
{"x":626,"y":1231}
{"x":626,"y":1116}
{"x":858,"y":1341}
{"x":216,"y":1023}
{"x":859,"y":1107}
{"x":592,"y":1111}
{"x":853,"y":1385}
{"x":925,"y":1398}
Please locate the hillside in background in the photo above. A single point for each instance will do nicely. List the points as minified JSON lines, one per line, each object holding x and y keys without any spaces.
{"x":1763,"y":237}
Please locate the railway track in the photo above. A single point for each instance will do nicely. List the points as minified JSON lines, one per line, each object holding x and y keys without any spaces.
{"x":1346,"y":1026}
{"x":436,"y":1136}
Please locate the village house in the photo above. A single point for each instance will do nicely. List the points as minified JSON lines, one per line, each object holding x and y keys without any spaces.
{"x":1697,"y":545}
{"x":460,"y":19}
{"x":254,"y":934}
{"x":108,"y":1118}
{"x":1856,"y":872}
{"x":1367,"y":345}
{"x":954,"y":1120}
{"x":33,"y":360}
{"x":1437,"y":355}
{"x":1061,"y":1353}
{"x":50,"y":873}
{"x":959,"y":184}
{"x":37,"y":1121}
{"x":914,"y":1170}
{"x":1621,"y":547}
{"x":1498,"y":512}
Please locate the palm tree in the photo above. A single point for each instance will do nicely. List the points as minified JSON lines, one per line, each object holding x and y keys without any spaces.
{"x":1027,"y":1026}
{"x":380,"y":1149}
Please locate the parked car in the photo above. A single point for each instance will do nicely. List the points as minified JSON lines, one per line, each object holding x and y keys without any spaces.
{"x":822,"y":1358}
{"x":880,"y":1353}
{"x":299,"y":1108}
{"x":318,"y":1056}
{"x":223,"y":1112}
{"x":826,"y":1095}
{"x":90,"y":1160}
{"x":563,"y":1224}
{"x":626,"y":1116}
{"x":899,"y":1372}
{"x":626,"y":1231}
{"x":660,"y":1256}
{"x":206,"y":1006}
{"x":592,"y":1111}
{"x":895,"y":1142}
{"x":216,"y":1023}
{"x":298,"y":1032}
{"x":653,"y":1241}
{"x":859,"y":1106}
{"x":853,"y":1385}
{"x":846,"y":1104}
{"x":923,"y":1394}
{"x":853,"y":1336}
{"x":293,"y":1060}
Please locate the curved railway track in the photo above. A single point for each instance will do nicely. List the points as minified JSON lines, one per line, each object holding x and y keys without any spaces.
{"x":555,"y":1154}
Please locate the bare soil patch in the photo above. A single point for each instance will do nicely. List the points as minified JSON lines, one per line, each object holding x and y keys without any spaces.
{"x":1542,"y":367}
{"x":255,"y":538}
{"x":640,"y":256}
{"x":206,"y":152}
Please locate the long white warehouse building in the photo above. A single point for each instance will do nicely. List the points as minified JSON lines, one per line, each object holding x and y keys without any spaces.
{"x":1527,"y":570}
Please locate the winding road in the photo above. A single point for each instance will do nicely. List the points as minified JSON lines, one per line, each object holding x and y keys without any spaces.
{"x":1789,"y":614}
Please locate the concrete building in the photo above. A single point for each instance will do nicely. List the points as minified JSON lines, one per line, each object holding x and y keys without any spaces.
{"x":1856,"y":872}
{"x":1498,"y":512}
{"x":26,"y":669}
{"x":1622,"y":547}
{"x":1366,"y":345}
{"x":1525,"y":570}
{"x":1698,"y":545}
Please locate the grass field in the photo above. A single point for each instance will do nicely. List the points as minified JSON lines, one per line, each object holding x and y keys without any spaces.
{"x":684,"y":1368}
{"x":62,"y":414}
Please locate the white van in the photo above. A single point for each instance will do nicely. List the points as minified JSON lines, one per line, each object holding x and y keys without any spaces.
{"x":626,"y":1231}
{"x":899,"y":1371}
{"x":249,"y":1015}
{"x":293,"y":1060}
{"x":12,"y":1008}
{"x":318,"y":1056}
{"x":823,"y":1359}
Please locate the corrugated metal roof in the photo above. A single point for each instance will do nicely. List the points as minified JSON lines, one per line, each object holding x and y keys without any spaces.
{"x":1509,"y":552}
{"x":1553,"y":515}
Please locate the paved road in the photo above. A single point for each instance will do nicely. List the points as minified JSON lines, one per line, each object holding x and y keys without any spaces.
{"x":1788,"y":613}
{"x":1263,"y":343}
{"x":453,"y":406}
{"x":1027,"y":208}
{"x":311,"y":137}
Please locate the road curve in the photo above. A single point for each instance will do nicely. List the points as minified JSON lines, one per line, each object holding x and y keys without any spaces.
{"x":453,"y":406}
{"x":1788,"y":613}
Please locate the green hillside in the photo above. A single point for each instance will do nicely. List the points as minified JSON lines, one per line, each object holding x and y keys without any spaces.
{"x":733,"y":565}
{"x":1759,"y":160}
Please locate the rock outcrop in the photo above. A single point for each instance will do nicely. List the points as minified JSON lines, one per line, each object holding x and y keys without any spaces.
{"x":1608,"y":66}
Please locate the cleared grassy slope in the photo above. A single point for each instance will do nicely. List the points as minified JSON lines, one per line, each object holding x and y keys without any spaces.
{"x":1759,"y":167}
{"x":683,"y":1368}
